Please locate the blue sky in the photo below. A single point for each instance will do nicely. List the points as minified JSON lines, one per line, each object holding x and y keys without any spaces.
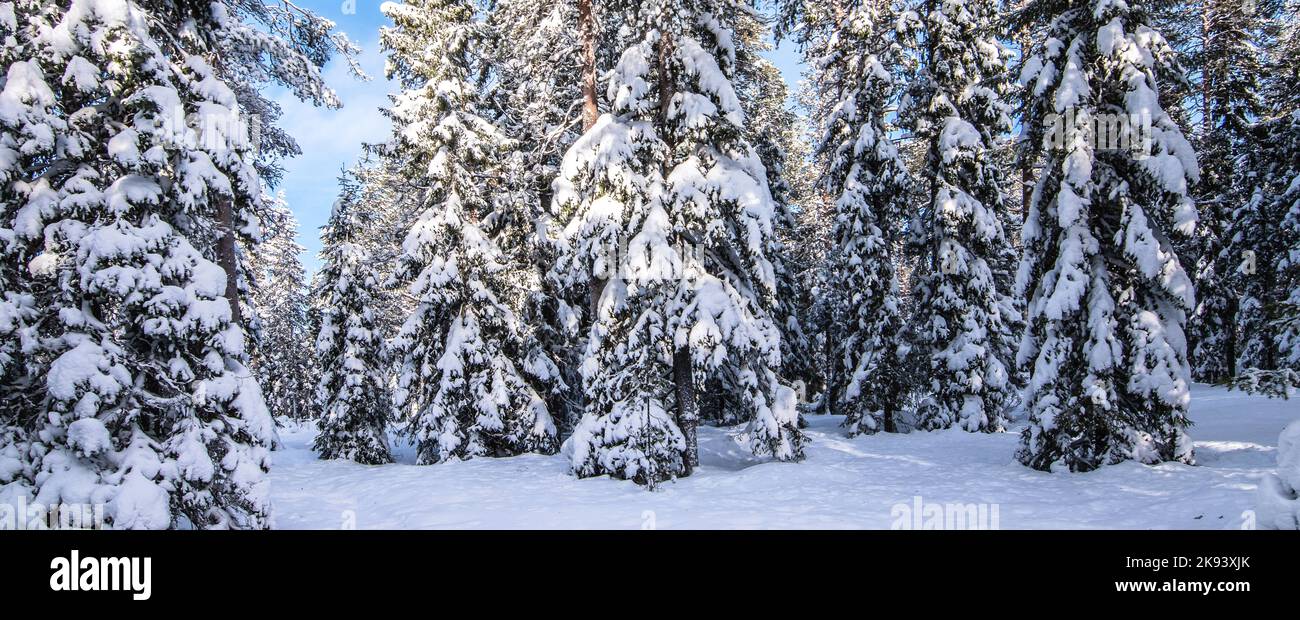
{"x":331,"y":139}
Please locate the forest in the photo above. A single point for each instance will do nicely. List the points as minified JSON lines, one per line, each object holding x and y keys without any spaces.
{"x":601,"y":228}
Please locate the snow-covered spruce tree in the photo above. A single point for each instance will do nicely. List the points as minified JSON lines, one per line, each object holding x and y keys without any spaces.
{"x":807,"y":242}
{"x":1107,"y":295}
{"x":281,"y":359}
{"x":141,"y":397}
{"x":1262,"y":253}
{"x":608,"y":181}
{"x":473,"y":376}
{"x":544,"y":107}
{"x":1273,"y":285}
{"x":392,"y":205}
{"x":856,"y":68}
{"x":954,"y":106}
{"x":811,"y":237}
{"x":259,"y":45}
{"x":352,"y":398}
{"x":667,"y":178}
{"x":24,"y":125}
{"x":541,"y":97}
{"x":1257,"y":257}
{"x":1289,"y":312}
{"x":774,"y":131}
{"x":1229,"y":65}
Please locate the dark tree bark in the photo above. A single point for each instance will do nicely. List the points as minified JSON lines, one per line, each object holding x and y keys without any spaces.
{"x":832,"y":374}
{"x":590,"y":110}
{"x":688,"y":417}
{"x":227,"y":257}
{"x":587,"y":35}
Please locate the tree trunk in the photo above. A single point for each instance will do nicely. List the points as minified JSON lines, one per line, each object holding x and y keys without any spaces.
{"x":587,"y":33}
{"x":1026,"y":186}
{"x":832,"y":376}
{"x":590,"y":111}
{"x":1207,"y":79}
{"x":1028,"y":152}
{"x":226,"y":257}
{"x":1230,"y":348}
{"x":688,"y":417}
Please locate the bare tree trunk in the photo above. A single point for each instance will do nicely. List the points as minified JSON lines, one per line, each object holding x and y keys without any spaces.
{"x":590,"y":110}
{"x":1027,"y":151}
{"x":1207,"y":120}
{"x":1026,"y":186}
{"x":226,"y":257}
{"x":832,"y":375}
{"x":587,"y":34}
{"x":688,"y":417}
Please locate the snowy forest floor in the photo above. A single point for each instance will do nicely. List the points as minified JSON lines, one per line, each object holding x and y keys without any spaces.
{"x":843,"y":483}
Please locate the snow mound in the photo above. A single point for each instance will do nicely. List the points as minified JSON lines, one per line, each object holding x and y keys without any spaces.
{"x":1279,"y":493}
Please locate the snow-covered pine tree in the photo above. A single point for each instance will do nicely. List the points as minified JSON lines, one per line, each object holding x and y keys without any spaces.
{"x":1266,"y":233}
{"x":473,"y":376}
{"x":812,"y":236}
{"x":22,"y":127}
{"x":138,"y":387}
{"x":607,"y":192}
{"x":1287,"y":131}
{"x":856,"y":67}
{"x":774,"y":130}
{"x":1262,"y":254}
{"x":544,"y":110}
{"x":807,"y":242}
{"x":25,"y":125}
{"x":541,"y":98}
{"x":954,"y":106}
{"x":352,"y":397}
{"x":1107,"y":295}
{"x":285,"y":368}
{"x":667,"y":178}
{"x":392,"y":203}
{"x":1229,"y":64}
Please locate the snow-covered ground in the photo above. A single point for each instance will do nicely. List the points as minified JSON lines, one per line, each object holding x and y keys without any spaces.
{"x":866,"y":482}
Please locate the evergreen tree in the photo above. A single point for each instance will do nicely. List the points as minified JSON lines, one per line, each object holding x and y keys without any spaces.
{"x":1256,"y":258}
{"x":392,"y":204}
{"x":857,"y":68}
{"x":473,"y":375}
{"x":955,"y":107}
{"x":137,"y":392}
{"x":811,"y":236}
{"x":539,"y":101}
{"x":352,"y":398}
{"x":1229,"y":69}
{"x":1107,"y":295}
{"x":1286,"y":131}
{"x":1263,"y":237}
{"x":773,"y":129}
{"x":667,"y":178}
{"x":285,"y":368}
